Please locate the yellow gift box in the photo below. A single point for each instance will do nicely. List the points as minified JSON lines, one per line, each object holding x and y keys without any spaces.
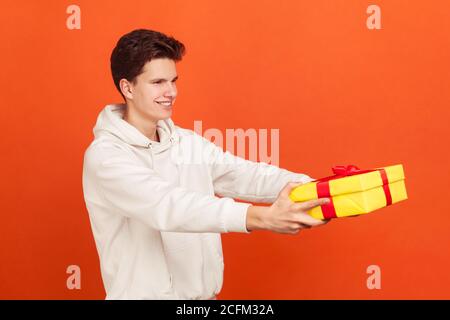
{"x":353,"y":191}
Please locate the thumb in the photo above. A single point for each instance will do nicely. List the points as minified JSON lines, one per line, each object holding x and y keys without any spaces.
{"x":286,"y":191}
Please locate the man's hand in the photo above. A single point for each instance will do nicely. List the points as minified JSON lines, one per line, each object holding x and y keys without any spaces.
{"x":284,"y":215}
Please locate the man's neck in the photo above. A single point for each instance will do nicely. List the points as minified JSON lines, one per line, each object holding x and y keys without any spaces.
{"x":146,"y":126}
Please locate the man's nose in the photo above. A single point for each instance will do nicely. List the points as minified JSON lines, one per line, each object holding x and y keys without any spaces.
{"x":171,"y":90}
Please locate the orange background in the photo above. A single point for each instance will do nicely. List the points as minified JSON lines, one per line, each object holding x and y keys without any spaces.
{"x":338,"y":92}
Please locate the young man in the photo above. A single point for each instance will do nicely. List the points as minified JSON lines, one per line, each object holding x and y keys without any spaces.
{"x":151,"y":202}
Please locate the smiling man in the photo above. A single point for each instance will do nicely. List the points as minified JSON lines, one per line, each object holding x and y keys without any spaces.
{"x":157,"y":221}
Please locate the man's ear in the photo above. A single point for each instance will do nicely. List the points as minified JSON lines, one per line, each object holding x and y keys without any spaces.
{"x":126,"y":88}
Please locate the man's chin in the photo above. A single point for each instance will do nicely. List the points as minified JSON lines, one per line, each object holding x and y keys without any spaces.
{"x":165,"y":115}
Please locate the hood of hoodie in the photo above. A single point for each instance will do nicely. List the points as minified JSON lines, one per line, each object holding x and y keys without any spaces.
{"x":110,"y":121}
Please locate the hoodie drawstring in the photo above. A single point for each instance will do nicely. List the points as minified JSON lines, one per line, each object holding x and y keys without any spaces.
{"x":177,"y":162}
{"x":149,"y":146}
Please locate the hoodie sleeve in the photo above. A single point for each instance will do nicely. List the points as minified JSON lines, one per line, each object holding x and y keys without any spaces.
{"x":247,"y":180}
{"x":136,"y":191}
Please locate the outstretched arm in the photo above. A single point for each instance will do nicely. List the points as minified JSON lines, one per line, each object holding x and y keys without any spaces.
{"x":247,"y":180}
{"x":134,"y":190}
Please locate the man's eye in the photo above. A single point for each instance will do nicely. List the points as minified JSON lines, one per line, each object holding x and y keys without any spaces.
{"x":158,"y":82}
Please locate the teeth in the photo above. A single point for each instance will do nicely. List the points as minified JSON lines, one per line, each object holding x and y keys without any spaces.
{"x":165,"y":103}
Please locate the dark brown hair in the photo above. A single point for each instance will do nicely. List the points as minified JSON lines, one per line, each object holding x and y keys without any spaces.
{"x":136,"y":48}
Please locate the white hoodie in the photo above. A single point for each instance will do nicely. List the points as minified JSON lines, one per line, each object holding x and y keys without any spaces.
{"x":154,"y":214}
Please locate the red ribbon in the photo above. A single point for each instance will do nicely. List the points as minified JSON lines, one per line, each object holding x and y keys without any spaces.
{"x":323,"y":186}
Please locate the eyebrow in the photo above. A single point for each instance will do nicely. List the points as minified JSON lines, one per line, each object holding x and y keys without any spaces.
{"x":159,"y":79}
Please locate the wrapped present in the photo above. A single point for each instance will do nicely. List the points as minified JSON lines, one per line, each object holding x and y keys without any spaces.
{"x":353,"y":191}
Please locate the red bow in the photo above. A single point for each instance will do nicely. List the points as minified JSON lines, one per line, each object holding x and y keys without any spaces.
{"x":345,"y":170}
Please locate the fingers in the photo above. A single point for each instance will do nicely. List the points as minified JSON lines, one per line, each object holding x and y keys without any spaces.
{"x":301,"y":208}
{"x":308,"y":205}
{"x":296,"y":227}
{"x":303,"y":222}
{"x":306,"y":219}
